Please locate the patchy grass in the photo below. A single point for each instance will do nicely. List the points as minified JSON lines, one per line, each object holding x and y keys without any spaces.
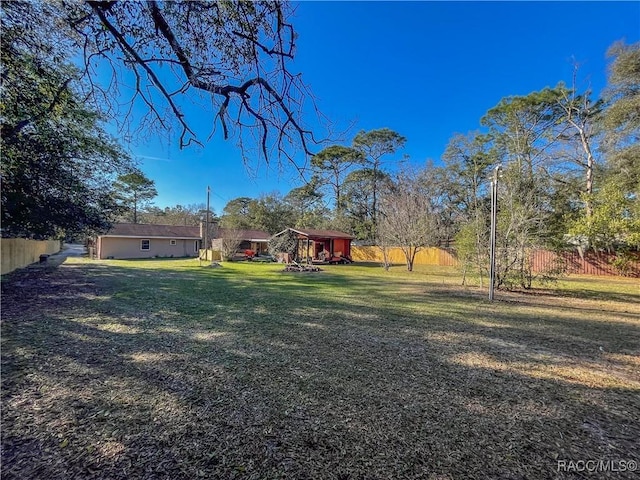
{"x":163,"y":369}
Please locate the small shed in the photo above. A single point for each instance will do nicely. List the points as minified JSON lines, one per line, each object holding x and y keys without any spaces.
{"x":322,"y":246}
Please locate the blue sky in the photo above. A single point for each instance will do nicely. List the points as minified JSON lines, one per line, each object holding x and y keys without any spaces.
{"x":424,"y":69}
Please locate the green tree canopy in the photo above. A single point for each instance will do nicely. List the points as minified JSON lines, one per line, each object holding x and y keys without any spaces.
{"x":358,"y":190}
{"x":236,"y":213}
{"x":374,"y":145}
{"x":270,"y":213}
{"x":332,"y":164}
{"x":615,"y":202}
{"x":58,"y":160}
{"x":622,"y":116}
{"x":177,"y":215}
{"x":134,"y":191}
{"x":306,"y":205}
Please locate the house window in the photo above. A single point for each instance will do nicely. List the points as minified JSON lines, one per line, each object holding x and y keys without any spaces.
{"x":172,"y":242}
{"x":145,"y":245}
{"x":195,"y":246}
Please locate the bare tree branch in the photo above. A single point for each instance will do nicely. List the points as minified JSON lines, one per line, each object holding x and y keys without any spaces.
{"x":127,"y":49}
{"x":237,"y":52}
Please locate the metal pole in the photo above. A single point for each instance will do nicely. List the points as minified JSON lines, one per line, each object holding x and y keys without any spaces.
{"x":494,"y":224}
{"x":206,"y":228}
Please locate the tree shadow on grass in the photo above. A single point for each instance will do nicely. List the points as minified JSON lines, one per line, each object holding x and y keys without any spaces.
{"x":633,"y":299}
{"x":189,"y":374}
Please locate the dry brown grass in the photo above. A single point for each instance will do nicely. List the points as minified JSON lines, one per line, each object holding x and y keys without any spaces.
{"x":152,"y":370}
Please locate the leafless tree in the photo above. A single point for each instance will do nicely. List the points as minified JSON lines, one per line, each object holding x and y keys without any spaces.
{"x":230,"y":242}
{"x":408,"y":216}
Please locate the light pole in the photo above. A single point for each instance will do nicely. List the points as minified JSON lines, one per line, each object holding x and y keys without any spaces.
{"x":494,"y":224}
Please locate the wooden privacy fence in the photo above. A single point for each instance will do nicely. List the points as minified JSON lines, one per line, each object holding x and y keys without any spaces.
{"x":428,"y":256}
{"x":20,"y":252}
{"x":588,"y":264}
{"x":210,"y":255}
{"x":541,"y":260}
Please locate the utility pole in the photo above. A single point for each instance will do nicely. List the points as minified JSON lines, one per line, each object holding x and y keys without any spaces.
{"x":494,"y":226}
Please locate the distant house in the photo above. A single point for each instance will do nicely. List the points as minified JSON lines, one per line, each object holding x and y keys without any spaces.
{"x":135,"y":240}
{"x":322,"y":246}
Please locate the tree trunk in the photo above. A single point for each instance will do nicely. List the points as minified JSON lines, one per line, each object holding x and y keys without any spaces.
{"x":374,"y":211}
{"x":385,"y":258}
{"x":410,"y":255}
{"x":589,"y":174}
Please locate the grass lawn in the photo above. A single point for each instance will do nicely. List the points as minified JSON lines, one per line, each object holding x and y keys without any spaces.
{"x":167,"y":370}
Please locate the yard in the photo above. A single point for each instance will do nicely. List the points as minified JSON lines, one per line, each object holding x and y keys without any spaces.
{"x":167,"y":370}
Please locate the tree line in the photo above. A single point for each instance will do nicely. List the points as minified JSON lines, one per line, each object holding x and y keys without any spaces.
{"x":570,"y":179}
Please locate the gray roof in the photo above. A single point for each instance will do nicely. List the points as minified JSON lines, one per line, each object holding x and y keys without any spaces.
{"x":140,"y":230}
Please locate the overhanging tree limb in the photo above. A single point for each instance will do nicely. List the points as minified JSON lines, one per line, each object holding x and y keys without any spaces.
{"x":127,"y":49}
{"x":236,"y":51}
